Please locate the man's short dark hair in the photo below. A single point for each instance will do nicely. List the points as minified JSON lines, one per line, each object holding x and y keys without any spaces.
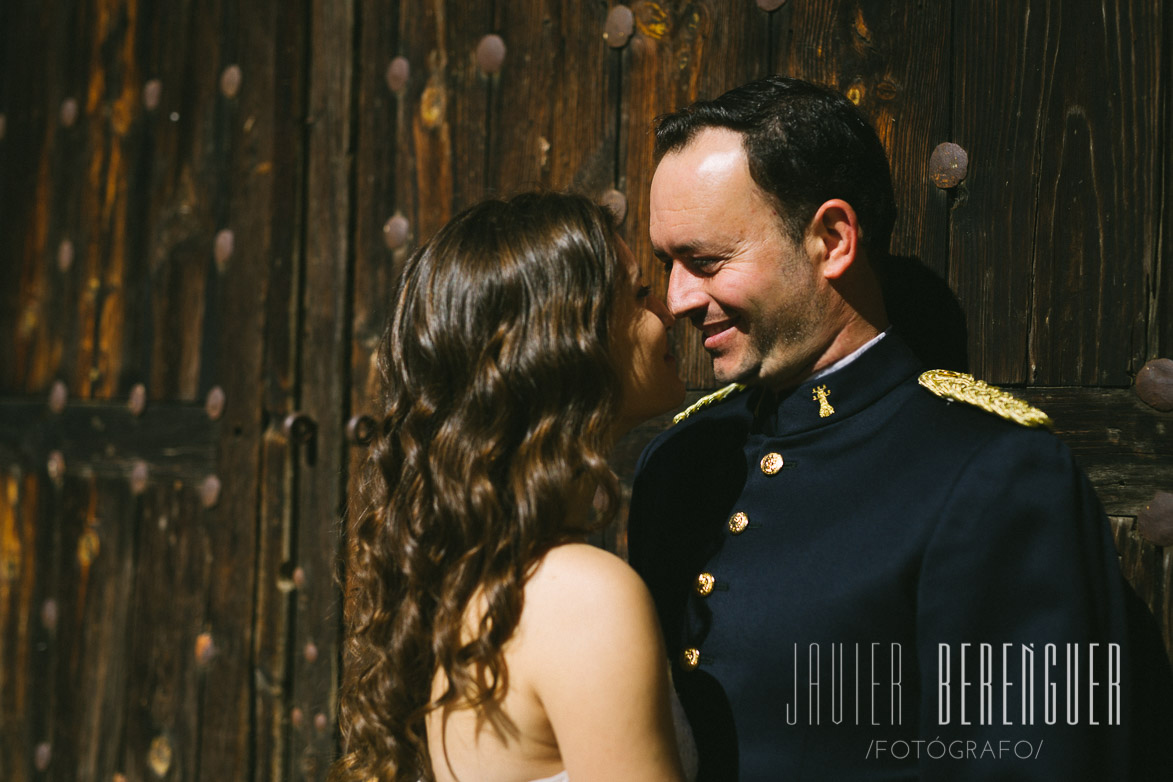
{"x":805,"y":144}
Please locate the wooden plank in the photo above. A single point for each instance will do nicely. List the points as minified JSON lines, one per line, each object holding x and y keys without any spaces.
{"x":891,"y":61}
{"x":1099,"y":195}
{"x":55,"y":518}
{"x":681,"y":51}
{"x":66,"y":297}
{"x":107,"y":439}
{"x":23,"y":155}
{"x":125,"y":332}
{"x":74,"y":513}
{"x":424,"y":130}
{"x":552,"y":117}
{"x":113,"y":183}
{"x":252,"y":140}
{"x":50,"y":305}
{"x":383,"y":190}
{"x":996,"y":58}
{"x":1160,"y":341}
{"x":469,"y":91}
{"x":1123,"y":444}
{"x":184,"y":148}
{"x":276,"y":582}
{"x":1164,"y":609}
{"x":105,"y":557}
{"x":175,"y":651}
{"x":21,"y":624}
{"x":324,"y":335}
{"x":284,"y":104}
{"x":445,"y":108}
{"x":1050,"y":238}
{"x":1148,"y":569}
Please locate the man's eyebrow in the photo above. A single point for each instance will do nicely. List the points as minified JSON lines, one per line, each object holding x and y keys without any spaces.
{"x":675,"y":251}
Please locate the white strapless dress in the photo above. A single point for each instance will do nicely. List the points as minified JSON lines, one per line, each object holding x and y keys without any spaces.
{"x":685,"y":744}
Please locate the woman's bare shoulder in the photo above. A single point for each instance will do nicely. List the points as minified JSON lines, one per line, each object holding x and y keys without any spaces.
{"x":582,"y":604}
{"x":579,"y":575}
{"x":595,"y":662}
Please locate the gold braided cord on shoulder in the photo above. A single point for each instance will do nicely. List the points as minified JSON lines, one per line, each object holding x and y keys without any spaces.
{"x":961,"y":387}
{"x":710,"y":399}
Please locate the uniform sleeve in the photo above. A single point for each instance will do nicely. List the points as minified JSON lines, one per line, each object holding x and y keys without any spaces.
{"x":1021,"y":570}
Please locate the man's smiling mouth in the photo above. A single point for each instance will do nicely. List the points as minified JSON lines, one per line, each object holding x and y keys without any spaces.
{"x":714,"y":333}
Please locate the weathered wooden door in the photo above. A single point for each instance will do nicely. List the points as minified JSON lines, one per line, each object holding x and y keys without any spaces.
{"x":203,"y":207}
{"x":175,"y":283}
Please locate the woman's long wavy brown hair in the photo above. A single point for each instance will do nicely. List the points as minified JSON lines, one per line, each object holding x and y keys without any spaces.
{"x":501,"y":396}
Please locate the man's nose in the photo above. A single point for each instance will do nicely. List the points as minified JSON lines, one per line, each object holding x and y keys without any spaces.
{"x":685,"y":293}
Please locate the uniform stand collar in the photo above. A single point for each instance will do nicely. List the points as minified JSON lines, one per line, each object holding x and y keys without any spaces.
{"x":837,"y":395}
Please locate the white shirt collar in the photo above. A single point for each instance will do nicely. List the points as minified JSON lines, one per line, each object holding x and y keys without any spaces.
{"x":848,"y":358}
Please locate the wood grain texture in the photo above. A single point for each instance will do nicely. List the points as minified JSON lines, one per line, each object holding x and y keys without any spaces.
{"x":324,"y":339}
{"x":1161,"y":304}
{"x":424,"y":141}
{"x":892,"y":61}
{"x":21,"y":625}
{"x":48,"y":310}
{"x":383,"y":157}
{"x":993,"y":217}
{"x":54,"y":716}
{"x":185,"y":156}
{"x":276,"y":585}
{"x":1051,"y":236}
{"x":282,"y":159}
{"x":1124,"y":446}
{"x":244,"y":198}
{"x":447,"y":108}
{"x":113,"y":103}
{"x":168,"y":685}
{"x":105,"y":555}
{"x":1099,"y":200}
{"x":1149,"y":570}
{"x":551,"y":120}
{"x":106,"y":439}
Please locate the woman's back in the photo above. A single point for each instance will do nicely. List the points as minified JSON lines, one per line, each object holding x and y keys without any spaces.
{"x":523,"y":343}
{"x":587,"y":685}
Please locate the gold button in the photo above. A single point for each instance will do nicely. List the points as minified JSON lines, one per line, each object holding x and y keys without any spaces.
{"x":738,"y":522}
{"x":690,"y":659}
{"x":704,"y":584}
{"x":771,"y":463}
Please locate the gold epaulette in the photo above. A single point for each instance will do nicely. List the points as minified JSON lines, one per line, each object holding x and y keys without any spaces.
{"x":964,"y":388}
{"x":710,"y":399}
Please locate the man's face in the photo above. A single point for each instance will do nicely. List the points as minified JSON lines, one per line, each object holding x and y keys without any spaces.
{"x":756,"y":297}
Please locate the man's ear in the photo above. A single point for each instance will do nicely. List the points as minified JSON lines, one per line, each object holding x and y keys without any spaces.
{"x":834,"y":230}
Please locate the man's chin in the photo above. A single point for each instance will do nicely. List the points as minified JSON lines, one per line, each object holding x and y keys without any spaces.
{"x":732,"y":374}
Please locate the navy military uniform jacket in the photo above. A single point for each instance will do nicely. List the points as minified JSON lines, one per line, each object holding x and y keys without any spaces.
{"x":809,"y":559}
